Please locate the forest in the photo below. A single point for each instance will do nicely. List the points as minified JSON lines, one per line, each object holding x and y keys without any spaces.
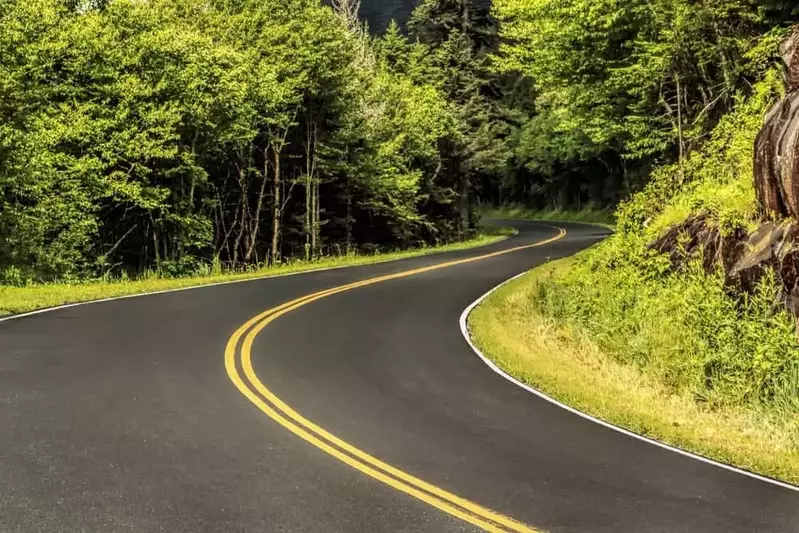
{"x":170,"y":134}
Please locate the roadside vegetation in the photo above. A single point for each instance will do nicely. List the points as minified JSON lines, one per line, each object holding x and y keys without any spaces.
{"x":578,"y":366}
{"x":168,"y":143}
{"x":671,"y":350}
{"x":21,"y":299}
{"x":590,"y":215}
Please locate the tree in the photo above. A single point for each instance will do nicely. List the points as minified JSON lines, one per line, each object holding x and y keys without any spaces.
{"x":460,"y":37}
{"x":629,"y":84}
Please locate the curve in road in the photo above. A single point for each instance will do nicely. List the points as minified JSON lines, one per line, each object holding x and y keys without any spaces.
{"x":119,"y":416}
{"x":254,"y":390}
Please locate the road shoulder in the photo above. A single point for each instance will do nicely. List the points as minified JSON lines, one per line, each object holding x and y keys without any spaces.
{"x":563,"y":362}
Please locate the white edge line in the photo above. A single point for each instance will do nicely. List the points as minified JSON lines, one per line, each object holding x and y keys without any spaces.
{"x":231,"y":282}
{"x":465,"y":331}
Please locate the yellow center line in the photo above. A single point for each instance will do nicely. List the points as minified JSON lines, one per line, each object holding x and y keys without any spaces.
{"x":279,"y":411}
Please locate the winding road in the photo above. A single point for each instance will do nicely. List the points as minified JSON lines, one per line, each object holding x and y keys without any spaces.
{"x":318,"y":403}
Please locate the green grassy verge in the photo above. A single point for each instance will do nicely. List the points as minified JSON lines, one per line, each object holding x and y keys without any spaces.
{"x":15,"y":300}
{"x":565,"y":360}
{"x":603,"y":217}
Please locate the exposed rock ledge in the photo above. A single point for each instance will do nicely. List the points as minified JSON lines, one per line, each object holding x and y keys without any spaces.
{"x":746,"y":257}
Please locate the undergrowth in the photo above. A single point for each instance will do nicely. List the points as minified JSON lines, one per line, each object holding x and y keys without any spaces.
{"x":684,"y":327}
{"x":560,"y":356}
{"x":31,"y":296}
{"x":590,"y":214}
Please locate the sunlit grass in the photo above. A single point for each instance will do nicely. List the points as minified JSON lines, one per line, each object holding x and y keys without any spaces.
{"x":563,"y":361}
{"x":589,"y":215}
{"x":15,"y":300}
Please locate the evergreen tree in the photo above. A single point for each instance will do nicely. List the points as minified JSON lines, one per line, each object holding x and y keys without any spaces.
{"x":460,"y":37}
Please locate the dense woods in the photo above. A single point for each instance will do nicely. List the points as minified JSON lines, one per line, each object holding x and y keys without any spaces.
{"x":165,"y":134}
{"x":623,"y":87}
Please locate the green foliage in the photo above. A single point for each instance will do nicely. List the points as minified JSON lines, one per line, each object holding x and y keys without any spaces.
{"x":460,"y":37}
{"x":163,"y":135}
{"x":565,"y":361}
{"x":685,"y":327}
{"x":629,"y":85}
{"x":139,"y":136}
{"x":717,"y":179}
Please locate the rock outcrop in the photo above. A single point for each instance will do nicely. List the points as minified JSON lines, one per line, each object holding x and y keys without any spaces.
{"x":746,"y":257}
{"x":771,"y":246}
{"x":777,"y":146}
{"x":699,"y":237}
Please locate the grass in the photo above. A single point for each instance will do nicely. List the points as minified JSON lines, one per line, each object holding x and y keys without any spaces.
{"x":563,"y":360}
{"x":590,"y":215}
{"x":671,"y":351}
{"x":14,"y":300}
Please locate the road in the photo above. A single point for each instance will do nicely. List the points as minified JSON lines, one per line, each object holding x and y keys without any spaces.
{"x":123,"y":416}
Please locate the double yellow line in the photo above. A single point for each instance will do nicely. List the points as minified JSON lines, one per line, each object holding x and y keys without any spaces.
{"x":238,"y":359}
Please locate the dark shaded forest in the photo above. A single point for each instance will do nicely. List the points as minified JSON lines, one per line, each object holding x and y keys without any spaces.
{"x":379,"y":13}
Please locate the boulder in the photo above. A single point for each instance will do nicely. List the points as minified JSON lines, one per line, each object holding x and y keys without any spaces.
{"x":744,"y":257}
{"x":789,"y":50}
{"x":761,"y":250}
{"x":776,"y":163}
{"x":699,"y":236}
{"x":774,"y":247}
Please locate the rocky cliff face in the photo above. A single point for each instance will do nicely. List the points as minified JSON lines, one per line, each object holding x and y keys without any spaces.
{"x":746,"y":257}
{"x":777,"y":146}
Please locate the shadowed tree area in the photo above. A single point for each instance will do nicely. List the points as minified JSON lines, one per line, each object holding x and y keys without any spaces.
{"x":380,"y":13}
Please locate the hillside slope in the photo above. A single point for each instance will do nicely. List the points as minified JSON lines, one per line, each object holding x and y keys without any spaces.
{"x":704,"y":365}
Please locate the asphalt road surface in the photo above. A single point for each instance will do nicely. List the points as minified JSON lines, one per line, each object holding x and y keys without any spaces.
{"x":122,"y":416}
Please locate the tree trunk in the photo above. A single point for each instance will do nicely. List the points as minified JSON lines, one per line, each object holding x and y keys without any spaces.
{"x":155,"y":243}
{"x":348,"y":222}
{"x":276,"y":208}
{"x":315,"y":218}
{"x":310,"y":171}
{"x":679,"y":127}
{"x":243,"y":214}
{"x":308,"y":208}
{"x":463,"y":224}
{"x":256,"y":219}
